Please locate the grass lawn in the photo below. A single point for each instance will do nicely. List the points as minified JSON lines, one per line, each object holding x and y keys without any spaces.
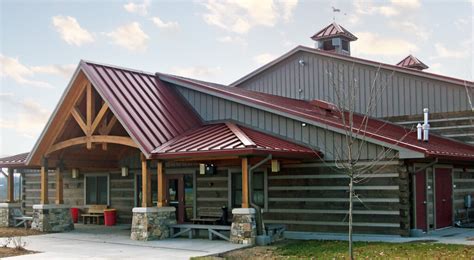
{"x":315,"y":249}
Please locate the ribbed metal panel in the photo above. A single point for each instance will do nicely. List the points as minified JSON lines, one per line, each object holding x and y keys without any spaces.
{"x":150,"y":110}
{"x":404,"y":94}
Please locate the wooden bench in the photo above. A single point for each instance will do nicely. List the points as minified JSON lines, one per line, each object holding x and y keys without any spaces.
{"x":94,"y":212}
{"x":208,"y":215}
{"x":275,"y":231}
{"x":189,"y":228}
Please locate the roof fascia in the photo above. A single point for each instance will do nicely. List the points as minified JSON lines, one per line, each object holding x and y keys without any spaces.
{"x":403,"y":152}
{"x":459,"y":82}
{"x":53,"y":115}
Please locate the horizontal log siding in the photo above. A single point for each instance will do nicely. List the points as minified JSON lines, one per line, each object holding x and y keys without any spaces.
{"x":464,"y":182}
{"x":212,"y":191}
{"x":212,"y":108}
{"x":121,"y":192}
{"x":404,"y":94}
{"x":305,"y":199}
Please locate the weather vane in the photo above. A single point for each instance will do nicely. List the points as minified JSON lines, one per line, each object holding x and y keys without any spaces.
{"x":335,"y":10}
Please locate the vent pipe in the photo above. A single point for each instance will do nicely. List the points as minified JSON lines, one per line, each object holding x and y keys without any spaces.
{"x":419,"y":132}
{"x":426,"y":125}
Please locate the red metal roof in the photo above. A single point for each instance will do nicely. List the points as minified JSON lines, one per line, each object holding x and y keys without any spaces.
{"x":412,"y":62}
{"x":224,"y":139}
{"x":152,"y":112}
{"x":332,"y":31}
{"x":14,"y":161}
{"x":306,"y":110}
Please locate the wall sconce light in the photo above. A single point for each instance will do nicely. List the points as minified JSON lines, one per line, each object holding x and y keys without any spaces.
{"x":124,"y":171}
{"x":202,"y":169}
{"x":75,"y":173}
{"x":275,"y":166}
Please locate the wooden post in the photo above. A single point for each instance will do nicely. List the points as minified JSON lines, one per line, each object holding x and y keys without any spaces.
{"x":59,"y":186}
{"x":245,"y":183}
{"x":11,"y":185}
{"x":44,"y":182}
{"x":146,"y":184}
{"x":161,"y":185}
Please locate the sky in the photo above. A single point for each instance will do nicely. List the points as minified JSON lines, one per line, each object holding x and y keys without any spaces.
{"x":41,"y":43}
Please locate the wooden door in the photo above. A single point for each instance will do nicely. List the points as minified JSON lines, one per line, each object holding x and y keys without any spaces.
{"x":444,"y":202}
{"x":420,"y":180}
{"x":175,"y":195}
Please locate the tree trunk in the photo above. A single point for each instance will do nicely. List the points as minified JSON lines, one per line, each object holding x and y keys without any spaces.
{"x":351,"y":193}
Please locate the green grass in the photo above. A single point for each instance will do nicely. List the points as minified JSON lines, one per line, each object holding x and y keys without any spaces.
{"x":365,"y":250}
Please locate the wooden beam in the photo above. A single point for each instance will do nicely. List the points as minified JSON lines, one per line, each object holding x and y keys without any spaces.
{"x":11,"y":185}
{"x":99,"y":117}
{"x":146,"y":184}
{"x":245,"y":183}
{"x":44,"y":182}
{"x":89,"y":115}
{"x":59,"y":186}
{"x":161,"y":185}
{"x":123,"y":140}
{"x":80,"y":121}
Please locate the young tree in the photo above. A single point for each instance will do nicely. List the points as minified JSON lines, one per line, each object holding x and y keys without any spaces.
{"x":349,"y":158}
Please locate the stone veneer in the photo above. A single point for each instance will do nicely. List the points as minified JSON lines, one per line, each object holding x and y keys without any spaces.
{"x":52,"y":218}
{"x":152,"y":223}
{"x":7,"y":212}
{"x":244,"y":226}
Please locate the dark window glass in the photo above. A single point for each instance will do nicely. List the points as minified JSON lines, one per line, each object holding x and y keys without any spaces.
{"x":345,"y":45}
{"x":97,"y":190}
{"x":258,"y":189}
{"x":327,"y":45}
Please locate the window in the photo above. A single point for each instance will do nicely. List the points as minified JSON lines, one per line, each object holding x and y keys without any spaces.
{"x":258,"y":183}
{"x":327,"y":45}
{"x":97,"y":190}
{"x":345,"y":45}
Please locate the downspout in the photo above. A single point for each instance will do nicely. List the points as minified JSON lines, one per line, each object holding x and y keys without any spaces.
{"x":258,"y":209}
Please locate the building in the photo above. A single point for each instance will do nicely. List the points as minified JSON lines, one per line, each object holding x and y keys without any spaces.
{"x":153,"y":144}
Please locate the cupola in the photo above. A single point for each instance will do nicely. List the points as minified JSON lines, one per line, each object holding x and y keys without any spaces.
{"x":413,"y":63}
{"x":334,"y":38}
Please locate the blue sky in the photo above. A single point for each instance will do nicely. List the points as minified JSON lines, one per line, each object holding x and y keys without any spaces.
{"x":43,"y":41}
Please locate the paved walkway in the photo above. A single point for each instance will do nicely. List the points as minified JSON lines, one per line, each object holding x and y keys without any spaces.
{"x":462,"y":236}
{"x":99,"y":242}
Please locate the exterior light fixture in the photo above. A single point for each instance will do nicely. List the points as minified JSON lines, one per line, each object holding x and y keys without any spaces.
{"x":202,"y":169}
{"x":301,"y":62}
{"x":124,"y":171}
{"x":275,"y":166}
{"x":75,"y":173}
{"x":303,"y":124}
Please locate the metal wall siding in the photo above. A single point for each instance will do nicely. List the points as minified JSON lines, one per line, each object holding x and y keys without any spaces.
{"x":404,"y":95}
{"x":321,"y":139}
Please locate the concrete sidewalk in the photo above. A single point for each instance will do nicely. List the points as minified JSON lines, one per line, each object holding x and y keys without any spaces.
{"x":461,"y":236}
{"x":98,"y":242}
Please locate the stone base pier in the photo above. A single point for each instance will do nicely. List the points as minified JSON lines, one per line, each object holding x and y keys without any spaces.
{"x":152,"y":223}
{"x":52,"y":218}
{"x":244,"y":226}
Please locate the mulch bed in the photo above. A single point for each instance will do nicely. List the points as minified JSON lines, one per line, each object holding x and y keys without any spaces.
{"x":7,"y":251}
{"x":18,"y":232}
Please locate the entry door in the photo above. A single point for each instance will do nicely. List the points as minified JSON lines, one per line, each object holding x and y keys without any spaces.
{"x":421,"y":200}
{"x":444,"y":203}
{"x":175,"y":194}
{"x":180,"y":194}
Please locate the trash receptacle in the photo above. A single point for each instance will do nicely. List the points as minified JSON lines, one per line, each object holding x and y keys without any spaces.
{"x":75,"y":214}
{"x":110,"y":217}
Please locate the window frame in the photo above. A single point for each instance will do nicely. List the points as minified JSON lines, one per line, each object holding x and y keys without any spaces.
{"x":96,"y":175}
{"x":233,"y":172}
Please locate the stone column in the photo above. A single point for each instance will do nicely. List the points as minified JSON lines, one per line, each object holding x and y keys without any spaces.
{"x":52,"y":218}
{"x":244,"y":226}
{"x":405,"y":201}
{"x":152,"y":223}
{"x":7,"y":212}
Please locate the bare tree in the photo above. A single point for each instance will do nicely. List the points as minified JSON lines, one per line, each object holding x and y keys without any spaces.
{"x":355,"y":121}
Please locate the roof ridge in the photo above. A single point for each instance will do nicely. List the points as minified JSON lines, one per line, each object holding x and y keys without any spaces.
{"x":247,"y":141}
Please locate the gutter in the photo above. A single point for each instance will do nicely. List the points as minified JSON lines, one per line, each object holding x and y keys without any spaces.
{"x":258,"y":209}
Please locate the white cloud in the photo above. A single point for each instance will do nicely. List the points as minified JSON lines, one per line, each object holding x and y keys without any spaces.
{"x":451,"y":53}
{"x":264,"y":58}
{"x":29,"y":119}
{"x":240,"y":16}
{"x":70,"y":30}
{"x":411,"y":28}
{"x":140,"y":9}
{"x":60,"y":70}
{"x":394,"y":8}
{"x":130,"y":36}
{"x":12,"y":68}
{"x":233,"y":39}
{"x":164,"y":25}
{"x":374,"y":44}
{"x":435,"y":68}
{"x":197,"y":72}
